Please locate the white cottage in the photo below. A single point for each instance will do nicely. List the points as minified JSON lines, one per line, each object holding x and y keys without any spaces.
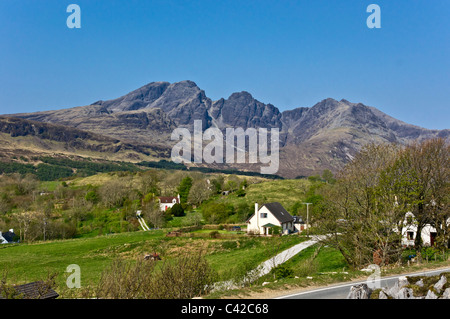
{"x":268,"y":216}
{"x":167,"y":202}
{"x":409,"y":231}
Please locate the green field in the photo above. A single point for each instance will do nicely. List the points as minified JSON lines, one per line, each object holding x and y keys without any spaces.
{"x":228,"y":256}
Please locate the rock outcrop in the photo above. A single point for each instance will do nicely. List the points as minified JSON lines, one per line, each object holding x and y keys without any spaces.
{"x":435,"y":287}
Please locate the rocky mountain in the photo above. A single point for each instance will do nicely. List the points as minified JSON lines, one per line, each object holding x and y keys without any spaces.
{"x":324,"y":136}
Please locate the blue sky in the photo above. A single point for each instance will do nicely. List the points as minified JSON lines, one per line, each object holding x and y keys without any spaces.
{"x":288,"y":53}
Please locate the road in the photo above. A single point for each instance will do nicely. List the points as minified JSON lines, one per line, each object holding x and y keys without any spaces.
{"x":341,"y":291}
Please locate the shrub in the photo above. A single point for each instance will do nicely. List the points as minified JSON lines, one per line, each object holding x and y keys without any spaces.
{"x":428,"y":253}
{"x":276,"y":230}
{"x":230,"y":244}
{"x":185,"y":277}
{"x":282,"y":271}
{"x":177,"y":210}
{"x":214,"y":234}
{"x":92,"y":196}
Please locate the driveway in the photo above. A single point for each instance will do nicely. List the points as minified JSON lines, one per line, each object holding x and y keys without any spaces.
{"x":267,"y":266}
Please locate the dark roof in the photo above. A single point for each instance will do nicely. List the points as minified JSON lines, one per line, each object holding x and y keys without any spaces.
{"x":298,"y":220}
{"x":9,"y":236}
{"x":167,"y":199}
{"x":36,"y":290}
{"x":279,"y":212}
{"x":269,"y":225}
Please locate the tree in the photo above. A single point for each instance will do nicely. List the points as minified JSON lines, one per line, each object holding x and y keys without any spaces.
{"x":215,"y":212}
{"x":328,"y":177}
{"x":364,"y":212}
{"x":25,"y":220}
{"x":152,"y":212}
{"x":199,"y":192}
{"x":232,"y":183}
{"x":243,"y":211}
{"x":217,"y":184}
{"x":177,"y":210}
{"x":115,"y":192}
{"x":184,"y":188}
{"x":356,"y":215}
{"x":426,"y":166}
{"x":150,"y":182}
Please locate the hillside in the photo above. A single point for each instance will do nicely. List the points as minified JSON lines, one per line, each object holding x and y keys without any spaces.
{"x":324,"y":136}
{"x":19,"y":137}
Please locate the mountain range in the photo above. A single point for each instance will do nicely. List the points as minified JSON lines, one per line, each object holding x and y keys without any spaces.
{"x":139,"y":124}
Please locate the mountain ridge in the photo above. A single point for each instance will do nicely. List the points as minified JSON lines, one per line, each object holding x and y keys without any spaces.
{"x":323,"y":136}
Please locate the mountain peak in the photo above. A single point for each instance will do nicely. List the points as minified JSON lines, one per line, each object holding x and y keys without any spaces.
{"x":244,"y":95}
{"x":188,"y":83}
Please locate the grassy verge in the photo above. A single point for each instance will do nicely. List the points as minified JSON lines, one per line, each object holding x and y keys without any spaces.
{"x":316,"y":266}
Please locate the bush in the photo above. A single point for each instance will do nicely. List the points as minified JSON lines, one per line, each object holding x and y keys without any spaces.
{"x":215,"y":212}
{"x":276,"y":230}
{"x":429,"y":253}
{"x":185,"y":277}
{"x":230,"y":244}
{"x":177,"y":210}
{"x":92,"y":196}
{"x":282,"y":271}
{"x":214,"y":234}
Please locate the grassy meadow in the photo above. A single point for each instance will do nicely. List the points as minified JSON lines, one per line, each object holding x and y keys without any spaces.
{"x":230,"y":256}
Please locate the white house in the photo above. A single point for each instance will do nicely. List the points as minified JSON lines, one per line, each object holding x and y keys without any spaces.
{"x":2,"y":239}
{"x":167,"y":202}
{"x":409,"y":231}
{"x":7,"y":237}
{"x":268,"y":216}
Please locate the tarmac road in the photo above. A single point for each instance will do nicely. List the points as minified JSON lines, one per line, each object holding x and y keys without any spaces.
{"x":341,"y":291}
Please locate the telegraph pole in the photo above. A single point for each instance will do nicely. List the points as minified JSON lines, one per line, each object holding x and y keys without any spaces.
{"x":307,"y":218}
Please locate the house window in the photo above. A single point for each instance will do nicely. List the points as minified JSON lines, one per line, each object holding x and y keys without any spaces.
{"x":410,"y":235}
{"x":263,"y":215}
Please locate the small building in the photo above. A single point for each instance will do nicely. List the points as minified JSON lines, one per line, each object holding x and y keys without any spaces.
{"x":7,"y":237}
{"x":409,"y":231}
{"x":299,"y":224}
{"x":166,"y":202}
{"x":268,"y":216}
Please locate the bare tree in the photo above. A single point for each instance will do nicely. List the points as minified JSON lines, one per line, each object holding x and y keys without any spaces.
{"x":152,"y":213}
{"x":115,"y":192}
{"x":25,"y":220}
{"x":199,"y":192}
